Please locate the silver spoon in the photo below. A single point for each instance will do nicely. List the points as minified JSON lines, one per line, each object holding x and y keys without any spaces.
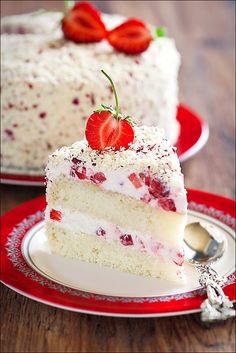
{"x":204,"y":244}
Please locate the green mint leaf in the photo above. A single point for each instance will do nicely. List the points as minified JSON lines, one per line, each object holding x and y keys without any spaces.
{"x":161,"y":32}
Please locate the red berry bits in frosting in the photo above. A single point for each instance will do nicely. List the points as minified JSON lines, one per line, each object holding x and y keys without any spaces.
{"x":107,"y":128}
{"x":83,"y":24}
{"x":131,"y":37}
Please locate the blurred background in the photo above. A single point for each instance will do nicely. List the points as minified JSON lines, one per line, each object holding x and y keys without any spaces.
{"x":204,"y":32}
{"x":204,"y":35}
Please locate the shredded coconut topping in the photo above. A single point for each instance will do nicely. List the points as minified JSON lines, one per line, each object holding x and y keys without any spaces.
{"x":149,"y":151}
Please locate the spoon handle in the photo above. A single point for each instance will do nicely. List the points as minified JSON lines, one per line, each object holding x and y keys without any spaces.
{"x":217,"y":306}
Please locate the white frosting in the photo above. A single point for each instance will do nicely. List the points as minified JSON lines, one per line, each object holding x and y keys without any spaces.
{"x":50,"y":86}
{"x":34,"y":22}
{"x":83,"y":223}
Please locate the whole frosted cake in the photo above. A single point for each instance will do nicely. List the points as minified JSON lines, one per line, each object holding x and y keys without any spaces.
{"x":49,"y":85}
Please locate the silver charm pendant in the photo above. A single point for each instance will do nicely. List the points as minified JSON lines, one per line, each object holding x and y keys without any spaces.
{"x":217,"y":306}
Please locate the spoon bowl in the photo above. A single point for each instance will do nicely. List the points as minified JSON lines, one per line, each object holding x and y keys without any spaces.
{"x":204,"y":243}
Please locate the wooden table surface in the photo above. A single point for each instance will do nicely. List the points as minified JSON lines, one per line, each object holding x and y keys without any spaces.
{"x":204,"y":33}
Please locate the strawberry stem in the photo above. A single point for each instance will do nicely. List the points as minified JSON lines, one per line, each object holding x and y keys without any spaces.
{"x":114,"y":91}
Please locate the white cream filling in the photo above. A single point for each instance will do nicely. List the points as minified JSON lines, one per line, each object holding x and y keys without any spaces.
{"x":80,"y":222}
{"x":119,"y":182}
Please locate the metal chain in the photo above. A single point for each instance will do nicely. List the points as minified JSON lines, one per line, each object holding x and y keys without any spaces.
{"x":217,"y":306}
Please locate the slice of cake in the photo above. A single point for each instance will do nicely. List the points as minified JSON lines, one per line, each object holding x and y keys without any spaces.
{"x":50,"y":83}
{"x":117,"y":198}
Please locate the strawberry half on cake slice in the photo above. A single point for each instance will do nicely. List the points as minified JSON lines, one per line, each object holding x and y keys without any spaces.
{"x":117,"y":198}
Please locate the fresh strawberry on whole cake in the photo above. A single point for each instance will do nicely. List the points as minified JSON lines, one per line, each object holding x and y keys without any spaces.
{"x":117,"y":198}
{"x":51,"y":78}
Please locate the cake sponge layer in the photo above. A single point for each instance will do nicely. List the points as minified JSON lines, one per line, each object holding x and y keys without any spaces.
{"x":92,"y":249}
{"x":119,"y":209}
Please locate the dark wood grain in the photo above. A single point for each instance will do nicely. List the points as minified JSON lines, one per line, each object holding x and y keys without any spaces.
{"x":204,"y":33}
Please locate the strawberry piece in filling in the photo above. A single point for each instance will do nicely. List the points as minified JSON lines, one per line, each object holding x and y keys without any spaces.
{"x":167,"y":204}
{"x":126,"y":239}
{"x":55,"y":215}
{"x":80,"y":174}
{"x":135,"y":180}
{"x":157,"y":189}
{"x":145,"y":178}
{"x":98,"y":178}
{"x":100,"y":232}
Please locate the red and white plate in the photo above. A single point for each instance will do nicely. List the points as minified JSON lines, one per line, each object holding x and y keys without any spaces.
{"x":194,"y":133}
{"x":28,"y":267}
